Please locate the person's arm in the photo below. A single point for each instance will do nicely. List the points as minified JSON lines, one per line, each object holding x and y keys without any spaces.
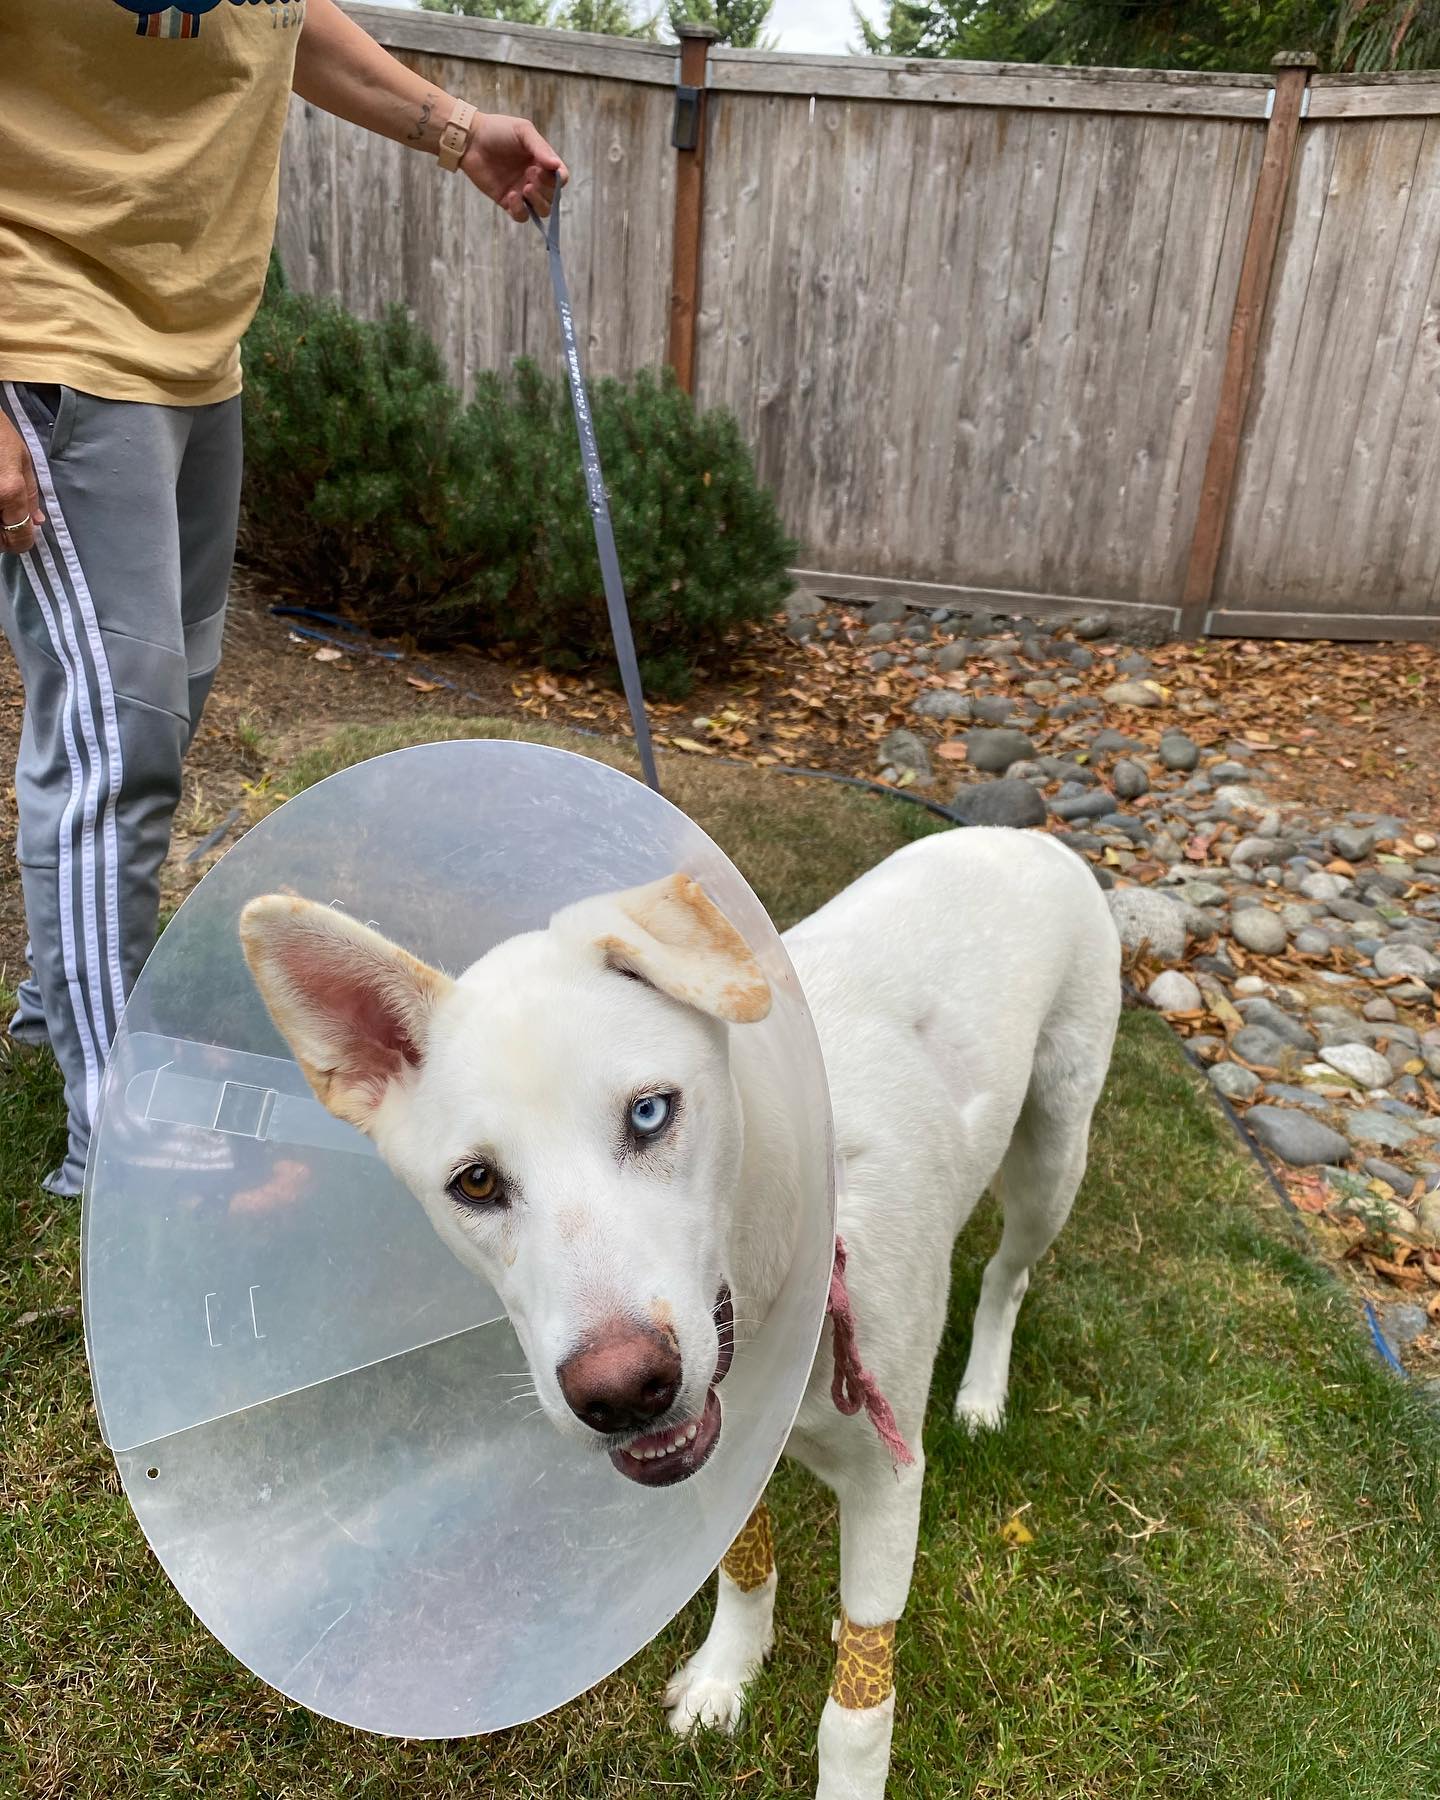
{"x":342,"y":70}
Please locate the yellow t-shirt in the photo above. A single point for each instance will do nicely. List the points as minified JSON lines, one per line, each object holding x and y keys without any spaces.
{"x":139,"y":165}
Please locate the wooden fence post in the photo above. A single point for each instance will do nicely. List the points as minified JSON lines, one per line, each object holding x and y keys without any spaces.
{"x":695,"y":42}
{"x":1292,"y":76}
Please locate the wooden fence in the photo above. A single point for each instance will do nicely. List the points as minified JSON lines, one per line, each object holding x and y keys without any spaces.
{"x":1037,"y":338}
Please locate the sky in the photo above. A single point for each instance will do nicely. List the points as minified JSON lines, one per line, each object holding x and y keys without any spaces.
{"x":817,"y":25}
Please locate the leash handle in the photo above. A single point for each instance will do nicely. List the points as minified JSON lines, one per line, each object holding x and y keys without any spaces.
{"x":615,"y":602}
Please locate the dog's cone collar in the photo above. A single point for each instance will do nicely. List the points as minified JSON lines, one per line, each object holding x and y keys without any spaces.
{"x":298,"y":1381}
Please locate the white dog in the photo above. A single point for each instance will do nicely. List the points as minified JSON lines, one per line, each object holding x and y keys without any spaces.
{"x":587,"y":1123}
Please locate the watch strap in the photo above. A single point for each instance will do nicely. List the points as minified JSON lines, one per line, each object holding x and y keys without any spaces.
{"x":456,"y":135}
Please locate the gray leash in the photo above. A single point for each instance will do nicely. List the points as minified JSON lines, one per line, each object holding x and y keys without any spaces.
{"x":599,"y":502}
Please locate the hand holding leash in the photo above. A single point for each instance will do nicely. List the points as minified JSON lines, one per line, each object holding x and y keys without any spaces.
{"x":508,"y":160}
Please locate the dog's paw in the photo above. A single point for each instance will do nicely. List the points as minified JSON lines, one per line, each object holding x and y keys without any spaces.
{"x":710,"y":1689}
{"x":979,"y":1412}
{"x":694,"y":1698}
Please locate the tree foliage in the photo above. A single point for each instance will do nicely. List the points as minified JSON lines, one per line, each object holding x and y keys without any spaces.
{"x":513,"y":12}
{"x":1370,"y":35}
{"x":614,"y":18}
{"x":370,"y":482}
{"x":1174,"y":34}
{"x":739,"y":22}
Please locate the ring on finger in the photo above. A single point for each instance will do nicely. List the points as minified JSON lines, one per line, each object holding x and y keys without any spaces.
{"x":19,"y":525}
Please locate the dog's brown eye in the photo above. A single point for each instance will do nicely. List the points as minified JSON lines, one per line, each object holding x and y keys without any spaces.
{"x":478,"y":1184}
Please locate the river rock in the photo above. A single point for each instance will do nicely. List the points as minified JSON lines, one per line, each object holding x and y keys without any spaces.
{"x":1171,"y":991}
{"x":1232,"y":1081}
{"x":885,"y":612}
{"x":1178,"y":752}
{"x":1275,"y":1018}
{"x":1371,"y":1126}
{"x":1131,"y":693}
{"x":1009,"y":801}
{"x":1408,"y":959}
{"x":1360,"y":1063}
{"x":1257,"y":929}
{"x":1092,"y":804}
{"x":1254,"y":1044}
{"x":903,"y":750}
{"x":1352,"y":843}
{"x":1144,"y":917}
{"x":1296,"y":1138}
{"x":993,"y":751}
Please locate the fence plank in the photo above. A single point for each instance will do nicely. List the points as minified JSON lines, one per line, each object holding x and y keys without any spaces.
{"x":1414,"y":628}
{"x":956,"y":304}
{"x":973,"y":319}
{"x":1394,"y":430}
{"x":942,"y":82}
{"x":375,"y":223}
{"x":1419,"y":96}
{"x":526,"y":46}
{"x":1247,"y":323}
{"x":862,"y":588}
{"x":1339,"y":478}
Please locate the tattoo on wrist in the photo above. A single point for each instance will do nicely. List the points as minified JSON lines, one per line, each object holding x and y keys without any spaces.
{"x":421,"y":125}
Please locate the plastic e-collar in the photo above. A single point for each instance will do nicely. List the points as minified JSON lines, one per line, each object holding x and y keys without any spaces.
{"x":305,"y":1394}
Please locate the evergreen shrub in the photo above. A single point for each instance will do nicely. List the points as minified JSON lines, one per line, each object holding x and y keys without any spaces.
{"x":372,"y":487}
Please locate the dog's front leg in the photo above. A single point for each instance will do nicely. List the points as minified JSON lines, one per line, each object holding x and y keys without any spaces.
{"x":879,"y":1524}
{"x":710,"y":1688}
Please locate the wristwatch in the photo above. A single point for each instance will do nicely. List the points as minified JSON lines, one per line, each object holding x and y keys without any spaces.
{"x":456,"y":135}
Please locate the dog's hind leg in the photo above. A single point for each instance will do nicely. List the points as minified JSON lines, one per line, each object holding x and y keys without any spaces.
{"x":1036,"y":1186}
{"x":879,"y":1525}
{"x":710,"y":1688}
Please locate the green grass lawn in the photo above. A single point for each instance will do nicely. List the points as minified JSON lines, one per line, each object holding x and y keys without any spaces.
{"x":1230,"y":1588}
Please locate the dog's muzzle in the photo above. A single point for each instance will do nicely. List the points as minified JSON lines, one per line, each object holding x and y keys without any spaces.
{"x":663,"y":1458}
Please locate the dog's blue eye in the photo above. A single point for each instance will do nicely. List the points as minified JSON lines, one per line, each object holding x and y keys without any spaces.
{"x":650,"y":1114}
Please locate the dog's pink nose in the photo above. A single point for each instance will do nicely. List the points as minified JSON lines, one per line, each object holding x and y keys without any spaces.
{"x":626,"y":1376}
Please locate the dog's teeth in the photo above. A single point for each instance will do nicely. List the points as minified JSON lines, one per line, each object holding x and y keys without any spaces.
{"x":682,"y":1439}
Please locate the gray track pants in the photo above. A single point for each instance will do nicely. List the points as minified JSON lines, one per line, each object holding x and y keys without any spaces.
{"x":115,"y":617}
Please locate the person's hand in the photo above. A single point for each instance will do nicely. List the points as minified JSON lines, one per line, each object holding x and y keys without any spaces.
{"x":508,"y":159}
{"x":19,"y":494}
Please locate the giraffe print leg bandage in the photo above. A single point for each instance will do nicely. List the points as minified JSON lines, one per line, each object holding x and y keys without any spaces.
{"x":750,"y":1560}
{"x":864,"y":1664}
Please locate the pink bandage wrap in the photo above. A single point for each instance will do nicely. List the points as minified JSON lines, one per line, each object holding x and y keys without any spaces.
{"x":854,"y":1386}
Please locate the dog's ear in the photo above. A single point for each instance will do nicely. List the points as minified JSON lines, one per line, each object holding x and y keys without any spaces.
{"x":355,"y":1008}
{"x":672,"y":935}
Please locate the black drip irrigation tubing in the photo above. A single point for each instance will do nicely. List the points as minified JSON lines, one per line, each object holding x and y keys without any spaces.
{"x":358,"y":638}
